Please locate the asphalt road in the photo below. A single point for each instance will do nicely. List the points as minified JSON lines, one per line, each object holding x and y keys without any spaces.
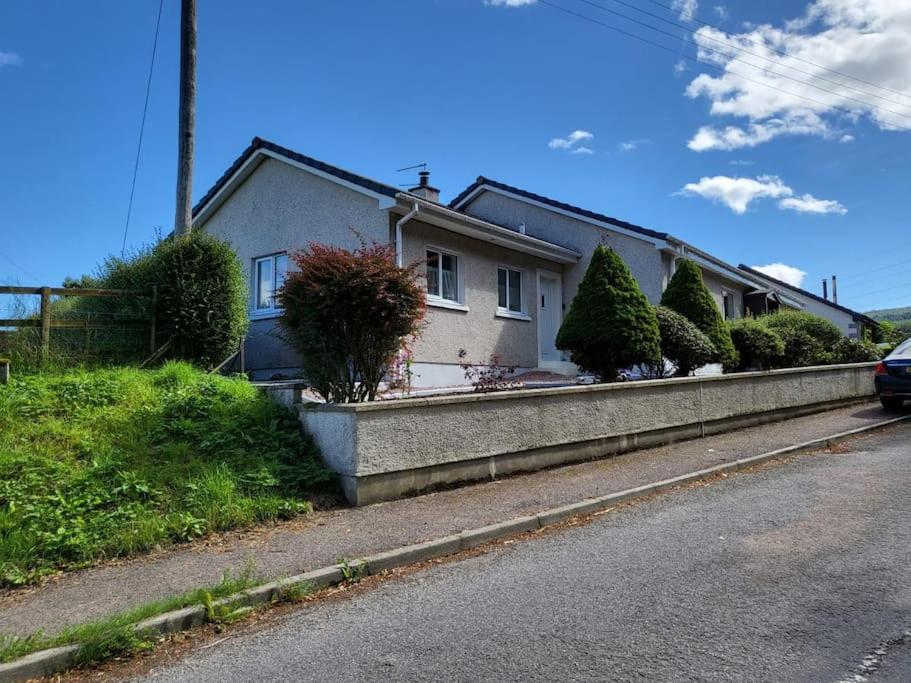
{"x":798,"y":572}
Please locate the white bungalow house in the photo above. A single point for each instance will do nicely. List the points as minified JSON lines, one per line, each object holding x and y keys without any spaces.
{"x":502,"y":263}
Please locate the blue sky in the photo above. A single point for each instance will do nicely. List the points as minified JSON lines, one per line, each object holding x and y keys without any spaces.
{"x":474,"y":87}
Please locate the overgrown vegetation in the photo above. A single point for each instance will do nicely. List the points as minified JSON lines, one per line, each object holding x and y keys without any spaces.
{"x":100,"y":464}
{"x":687,"y":294}
{"x":201,"y":308}
{"x":116,"y":635}
{"x":610,"y":325}
{"x":348,"y":313}
{"x":683,"y":345}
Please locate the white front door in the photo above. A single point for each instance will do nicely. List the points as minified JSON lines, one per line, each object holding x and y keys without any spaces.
{"x":550,"y":315}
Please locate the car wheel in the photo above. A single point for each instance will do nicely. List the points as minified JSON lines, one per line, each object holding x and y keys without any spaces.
{"x":892,"y":404}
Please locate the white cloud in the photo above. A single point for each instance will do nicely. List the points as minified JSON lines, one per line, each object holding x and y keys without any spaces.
{"x":10,"y":59}
{"x":632,"y":145}
{"x":869,"y":39}
{"x":722,"y":12}
{"x":754,"y":134}
{"x":738,"y":193}
{"x":679,"y":67}
{"x":809,"y":204}
{"x":741,"y":162}
{"x":572,"y":140}
{"x":847,"y":137}
{"x":583,"y":150}
{"x":686,"y":8}
{"x":780,"y":271}
{"x":509,"y":3}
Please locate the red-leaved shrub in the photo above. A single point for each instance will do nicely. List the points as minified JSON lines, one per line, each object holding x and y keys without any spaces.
{"x":347,"y":313}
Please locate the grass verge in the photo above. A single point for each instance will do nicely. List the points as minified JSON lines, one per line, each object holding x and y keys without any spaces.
{"x":107,"y":463}
{"x":117,"y":635}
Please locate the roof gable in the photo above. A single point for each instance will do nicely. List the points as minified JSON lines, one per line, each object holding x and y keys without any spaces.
{"x":465,"y":196}
{"x":260,"y":149}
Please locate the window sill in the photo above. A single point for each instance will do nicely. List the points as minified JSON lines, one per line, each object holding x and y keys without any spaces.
{"x":265,"y":315}
{"x":451,"y":305}
{"x":513,"y":315}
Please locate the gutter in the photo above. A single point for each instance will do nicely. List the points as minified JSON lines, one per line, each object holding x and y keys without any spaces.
{"x":399,"y":245}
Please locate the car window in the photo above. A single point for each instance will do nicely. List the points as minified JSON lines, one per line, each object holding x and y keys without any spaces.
{"x":903,"y":349}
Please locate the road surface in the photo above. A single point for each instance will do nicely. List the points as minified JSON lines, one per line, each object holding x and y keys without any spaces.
{"x":797,"y":572}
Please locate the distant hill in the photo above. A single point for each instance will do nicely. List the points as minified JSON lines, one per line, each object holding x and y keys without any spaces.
{"x":896,"y":315}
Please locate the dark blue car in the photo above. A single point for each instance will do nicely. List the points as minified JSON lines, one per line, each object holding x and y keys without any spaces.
{"x":893,"y":377}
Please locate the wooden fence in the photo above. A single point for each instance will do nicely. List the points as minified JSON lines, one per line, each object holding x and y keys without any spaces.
{"x":47,"y":322}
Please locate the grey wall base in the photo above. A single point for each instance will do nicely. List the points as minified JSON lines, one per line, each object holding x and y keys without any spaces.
{"x":374,"y":488}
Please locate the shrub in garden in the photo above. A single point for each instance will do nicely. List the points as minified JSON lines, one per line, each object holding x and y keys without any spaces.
{"x":348,"y":313}
{"x":808,"y":339}
{"x":758,"y":347}
{"x":683,"y":344}
{"x":687,"y":294}
{"x":610,"y":324}
{"x":203,"y":301}
{"x":202,"y":298}
{"x":855,"y":351}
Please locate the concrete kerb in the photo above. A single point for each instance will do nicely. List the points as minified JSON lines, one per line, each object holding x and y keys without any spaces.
{"x":47,"y":662}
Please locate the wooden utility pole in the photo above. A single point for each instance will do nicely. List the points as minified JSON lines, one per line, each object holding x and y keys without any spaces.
{"x":184,"y":218}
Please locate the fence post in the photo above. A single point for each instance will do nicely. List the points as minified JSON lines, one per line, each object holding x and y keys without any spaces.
{"x":243,"y":369}
{"x":152,"y":346}
{"x":45,"y":322}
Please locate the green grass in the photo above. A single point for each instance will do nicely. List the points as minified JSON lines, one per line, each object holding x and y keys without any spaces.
{"x":105,"y":463}
{"x":103,"y":639}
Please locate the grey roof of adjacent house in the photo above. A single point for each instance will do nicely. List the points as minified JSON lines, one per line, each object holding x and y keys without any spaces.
{"x":259,"y":143}
{"x":482,"y":181}
{"x":815,"y":297}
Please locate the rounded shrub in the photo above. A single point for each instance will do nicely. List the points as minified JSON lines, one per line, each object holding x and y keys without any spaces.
{"x":687,"y":294}
{"x":202,"y":303}
{"x":758,"y":347}
{"x":808,"y":339}
{"x":683,"y":344}
{"x":610,"y":325}
{"x":348,"y":313}
{"x":855,"y":351}
{"x":201,"y":307}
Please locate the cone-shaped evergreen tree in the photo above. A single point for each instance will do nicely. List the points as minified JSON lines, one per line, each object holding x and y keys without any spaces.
{"x":687,"y":294}
{"x":610,"y":325}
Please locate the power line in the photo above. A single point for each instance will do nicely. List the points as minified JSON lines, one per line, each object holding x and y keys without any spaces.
{"x":650,"y":27}
{"x":142,"y":126}
{"x":732,"y":46}
{"x":610,"y":27}
{"x":784,"y":53}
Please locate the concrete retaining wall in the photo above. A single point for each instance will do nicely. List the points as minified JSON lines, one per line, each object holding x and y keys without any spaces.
{"x":388,"y":449}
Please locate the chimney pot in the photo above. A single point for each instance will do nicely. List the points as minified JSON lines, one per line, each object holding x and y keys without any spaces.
{"x":425,"y":189}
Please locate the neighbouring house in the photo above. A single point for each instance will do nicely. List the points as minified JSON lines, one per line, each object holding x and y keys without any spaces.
{"x":851,"y":323}
{"x":501,"y":263}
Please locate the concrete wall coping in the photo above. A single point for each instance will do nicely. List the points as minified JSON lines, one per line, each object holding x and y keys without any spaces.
{"x":432,"y":401}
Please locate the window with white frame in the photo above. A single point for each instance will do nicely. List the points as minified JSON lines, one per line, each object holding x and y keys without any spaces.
{"x":268,"y":277}
{"x":509,"y":290}
{"x":443,"y":276}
